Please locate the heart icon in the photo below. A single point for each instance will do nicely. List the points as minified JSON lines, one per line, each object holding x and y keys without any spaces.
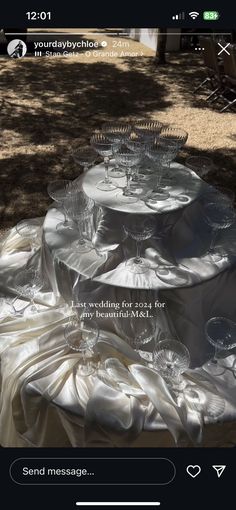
{"x":193,"y":471}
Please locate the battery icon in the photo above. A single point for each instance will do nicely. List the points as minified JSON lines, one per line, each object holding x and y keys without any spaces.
{"x":211,"y":15}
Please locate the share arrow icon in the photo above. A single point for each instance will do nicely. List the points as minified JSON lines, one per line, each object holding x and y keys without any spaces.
{"x":219,"y":470}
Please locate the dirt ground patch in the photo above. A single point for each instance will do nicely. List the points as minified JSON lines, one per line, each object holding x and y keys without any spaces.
{"x":51,"y":105}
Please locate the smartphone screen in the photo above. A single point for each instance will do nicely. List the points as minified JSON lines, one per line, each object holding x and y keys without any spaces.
{"x":117,"y":258}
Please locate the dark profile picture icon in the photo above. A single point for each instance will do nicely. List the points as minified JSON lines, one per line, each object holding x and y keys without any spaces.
{"x":16,"y":48}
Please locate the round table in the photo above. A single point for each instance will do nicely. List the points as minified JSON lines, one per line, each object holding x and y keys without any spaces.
{"x":184,"y":187}
{"x":46,"y":402}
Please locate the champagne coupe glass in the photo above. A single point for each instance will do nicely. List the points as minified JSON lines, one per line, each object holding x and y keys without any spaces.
{"x":146,"y":169}
{"x":116,"y":132}
{"x":138,"y":144}
{"x":221,"y":333}
{"x":28,"y":282}
{"x":135,"y":142}
{"x":205,"y":402}
{"x":158,"y":153}
{"x":148,"y":129}
{"x":80,"y":209}
{"x":81,"y":335}
{"x":173,"y":138}
{"x":168,"y":152}
{"x":219,"y":194}
{"x":173,"y":135}
{"x":59,"y":191}
{"x":142,"y":331}
{"x":226,"y":196}
{"x":219,"y":217}
{"x":103,"y":146}
{"x":116,"y":171}
{"x":171,"y":358}
{"x":85,"y":156}
{"x":201,"y":165}
{"x":129,"y":160}
{"x":29,"y":229}
{"x":139,"y":228}
{"x":6,"y":308}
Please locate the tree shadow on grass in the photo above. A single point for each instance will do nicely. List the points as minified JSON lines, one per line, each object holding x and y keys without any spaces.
{"x":223,"y":172}
{"x":182,"y":74}
{"x":49,"y":107}
{"x":74,"y":99}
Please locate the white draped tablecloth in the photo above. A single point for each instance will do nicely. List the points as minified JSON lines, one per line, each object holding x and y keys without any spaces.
{"x":44,"y":400}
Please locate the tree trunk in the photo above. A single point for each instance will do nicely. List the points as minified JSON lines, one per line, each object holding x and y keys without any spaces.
{"x":160,"y":57}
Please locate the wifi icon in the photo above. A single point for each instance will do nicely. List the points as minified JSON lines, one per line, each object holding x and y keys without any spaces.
{"x":194,"y":14}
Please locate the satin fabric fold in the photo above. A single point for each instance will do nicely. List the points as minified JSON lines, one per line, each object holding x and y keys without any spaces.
{"x":44,"y":401}
{"x":41,"y":373}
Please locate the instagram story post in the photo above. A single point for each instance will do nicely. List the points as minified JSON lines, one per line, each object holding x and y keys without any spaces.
{"x":118,"y":230}
{"x":117,"y":248}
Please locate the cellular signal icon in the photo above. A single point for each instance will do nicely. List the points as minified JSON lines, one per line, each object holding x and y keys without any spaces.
{"x":179,"y":16}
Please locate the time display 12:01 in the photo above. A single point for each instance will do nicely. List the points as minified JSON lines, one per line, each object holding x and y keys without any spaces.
{"x":33,"y":15}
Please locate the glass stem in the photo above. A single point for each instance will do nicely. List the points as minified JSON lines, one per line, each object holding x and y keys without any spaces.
{"x":32,"y":246}
{"x":166,"y":166}
{"x":60,"y":204}
{"x":128,"y":176}
{"x":86,"y":228}
{"x":32,"y":304}
{"x":84,"y":357}
{"x":160,"y":175}
{"x":80,"y":231}
{"x":157,"y":184}
{"x":138,"y":252}
{"x":106,"y":164}
{"x":65,"y":223}
{"x":213,"y":239}
{"x":136,"y":174}
{"x":216,"y":356}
